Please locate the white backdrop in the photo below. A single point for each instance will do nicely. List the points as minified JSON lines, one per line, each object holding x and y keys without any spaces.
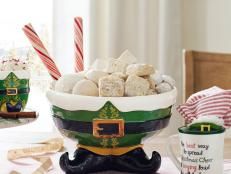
{"x":207,"y":25}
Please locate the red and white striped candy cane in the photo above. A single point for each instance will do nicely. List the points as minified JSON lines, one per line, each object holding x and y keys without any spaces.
{"x":41,"y":51}
{"x":78,"y":40}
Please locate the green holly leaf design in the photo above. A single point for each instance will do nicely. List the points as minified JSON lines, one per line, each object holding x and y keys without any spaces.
{"x":114,"y":142}
{"x":103,"y":113}
{"x":109,"y":111}
{"x":104,"y":142}
{"x":114,"y":112}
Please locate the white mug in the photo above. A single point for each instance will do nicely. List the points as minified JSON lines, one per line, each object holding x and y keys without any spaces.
{"x":200,"y":153}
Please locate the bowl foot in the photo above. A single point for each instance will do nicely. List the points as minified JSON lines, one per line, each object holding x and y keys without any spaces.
{"x":135,"y":161}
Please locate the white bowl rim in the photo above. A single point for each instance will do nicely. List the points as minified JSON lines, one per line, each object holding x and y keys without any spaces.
{"x":74,"y":102}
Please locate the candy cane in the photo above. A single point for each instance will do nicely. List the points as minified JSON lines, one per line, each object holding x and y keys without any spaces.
{"x":41,"y":51}
{"x":78,"y":40}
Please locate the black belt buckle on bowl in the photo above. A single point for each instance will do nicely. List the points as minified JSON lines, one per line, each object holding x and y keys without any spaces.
{"x":11,"y":91}
{"x":108,"y":128}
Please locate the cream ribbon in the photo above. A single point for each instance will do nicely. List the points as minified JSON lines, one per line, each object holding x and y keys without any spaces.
{"x":50,"y":146}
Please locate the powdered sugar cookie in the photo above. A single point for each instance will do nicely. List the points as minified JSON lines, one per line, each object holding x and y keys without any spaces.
{"x":151,"y":82}
{"x":136,"y":86}
{"x":127,"y":57}
{"x":139,"y":69}
{"x":120,"y":75}
{"x":95,"y":75}
{"x":163,"y":87}
{"x":100,"y":64}
{"x":115,"y":65}
{"x":82,"y":73}
{"x":157,"y":77}
{"x":111,"y":86}
{"x":151,"y":92}
{"x":169,"y":80}
{"x":85,"y":87}
{"x":67,"y":82}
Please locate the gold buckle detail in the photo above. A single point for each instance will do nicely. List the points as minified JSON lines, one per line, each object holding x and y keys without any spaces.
{"x":97,"y":128}
{"x":208,"y":127}
{"x":11,"y":91}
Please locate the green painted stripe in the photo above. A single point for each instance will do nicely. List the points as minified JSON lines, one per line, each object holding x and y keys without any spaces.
{"x":90,"y":140}
{"x":133,"y":116}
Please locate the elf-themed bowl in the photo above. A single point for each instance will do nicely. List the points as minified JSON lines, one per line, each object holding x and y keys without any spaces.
{"x":109,"y":122}
{"x":14,"y":90}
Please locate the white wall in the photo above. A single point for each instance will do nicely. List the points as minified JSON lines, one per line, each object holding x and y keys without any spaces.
{"x":207,"y":25}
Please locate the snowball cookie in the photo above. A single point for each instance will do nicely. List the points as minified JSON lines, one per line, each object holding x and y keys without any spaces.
{"x":136,"y":86}
{"x":120,"y":75}
{"x":169,"y":80}
{"x":111,"y":86}
{"x":100,"y":64}
{"x":151,"y":92}
{"x":67,"y":82}
{"x":127,"y":57}
{"x":151,"y":82}
{"x":163,"y":87}
{"x":82,"y":73}
{"x":157,"y":77}
{"x":115,"y":65}
{"x":95,"y":75}
{"x":139,"y":69}
{"x":85,"y":87}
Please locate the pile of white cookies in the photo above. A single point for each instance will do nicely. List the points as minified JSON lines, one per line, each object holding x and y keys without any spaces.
{"x":116,"y":78}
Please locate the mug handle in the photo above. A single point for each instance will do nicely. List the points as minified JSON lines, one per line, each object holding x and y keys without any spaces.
{"x":171,"y":153}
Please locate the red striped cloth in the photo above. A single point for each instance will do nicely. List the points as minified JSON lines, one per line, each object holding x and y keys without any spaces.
{"x":213,"y":101}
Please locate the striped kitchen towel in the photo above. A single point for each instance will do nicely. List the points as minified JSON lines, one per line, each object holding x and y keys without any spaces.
{"x":213,"y":101}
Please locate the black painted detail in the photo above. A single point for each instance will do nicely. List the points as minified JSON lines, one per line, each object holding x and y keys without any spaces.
{"x":135,"y":161}
{"x":129,"y":128}
{"x":12,"y":91}
{"x":14,"y":108}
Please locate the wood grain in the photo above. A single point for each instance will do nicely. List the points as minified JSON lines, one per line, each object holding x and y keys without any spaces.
{"x":203,"y":70}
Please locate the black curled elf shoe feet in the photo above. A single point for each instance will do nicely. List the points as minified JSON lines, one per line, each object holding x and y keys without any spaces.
{"x":135,"y":161}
